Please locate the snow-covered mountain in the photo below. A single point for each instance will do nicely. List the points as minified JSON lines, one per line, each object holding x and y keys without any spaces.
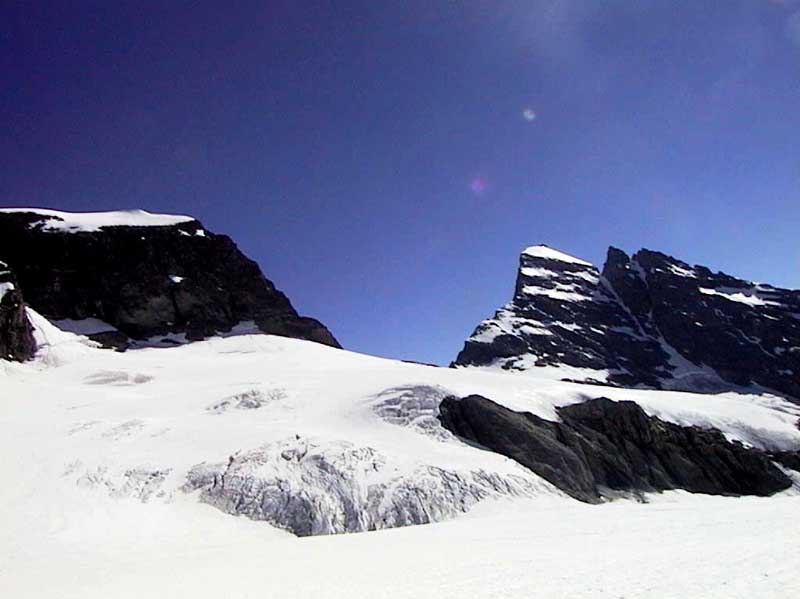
{"x":196,"y":468}
{"x":133,"y":278}
{"x":648,"y":320}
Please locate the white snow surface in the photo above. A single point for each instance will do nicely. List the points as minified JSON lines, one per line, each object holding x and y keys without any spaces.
{"x":564,"y":293}
{"x":97,"y":446}
{"x":682,"y":272}
{"x":506,"y":322}
{"x":677,"y":547}
{"x":84,"y":326}
{"x":74,"y":222}
{"x":548,"y":253}
{"x":535,"y":271}
{"x":5,"y":288}
{"x":749,"y":297}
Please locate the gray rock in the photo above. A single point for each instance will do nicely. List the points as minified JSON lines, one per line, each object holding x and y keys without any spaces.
{"x":789,"y":459}
{"x":602,"y":447}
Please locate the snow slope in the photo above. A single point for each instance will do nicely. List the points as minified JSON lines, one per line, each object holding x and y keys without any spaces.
{"x":548,"y":253}
{"x":678,"y":547}
{"x":83,"y":222}
{"x":6,"y":288}
{"x":108,"y":455}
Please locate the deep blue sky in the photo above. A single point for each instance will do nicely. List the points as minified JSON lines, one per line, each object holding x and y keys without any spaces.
{"x":374,"y":157}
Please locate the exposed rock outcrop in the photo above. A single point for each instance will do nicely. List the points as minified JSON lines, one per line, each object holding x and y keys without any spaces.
{"x":143,"y":277}
{"x":601,"y":447}
{"x":16,"y":334}
{"x":649,"y":320}
{"x":789,"y":459}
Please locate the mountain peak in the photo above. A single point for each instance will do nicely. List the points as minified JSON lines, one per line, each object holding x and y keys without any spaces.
{"x":649,"y":319}
{"x":545,"y":252}
{"x":131,"y":278}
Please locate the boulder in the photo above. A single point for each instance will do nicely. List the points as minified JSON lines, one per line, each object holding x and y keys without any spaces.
{"x":601,"y":448}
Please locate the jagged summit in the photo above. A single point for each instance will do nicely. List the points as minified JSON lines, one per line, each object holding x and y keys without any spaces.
{"x":130,"y":278}
{"x":545,"y":252}
{"x":648,"y":319}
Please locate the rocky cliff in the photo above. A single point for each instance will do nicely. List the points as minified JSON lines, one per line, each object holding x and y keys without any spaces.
{"x":16,"y":334}
{"x":130,"y":278}
{"x":647,"y":320}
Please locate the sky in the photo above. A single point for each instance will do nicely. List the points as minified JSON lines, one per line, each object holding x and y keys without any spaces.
{"x":386,"y":162}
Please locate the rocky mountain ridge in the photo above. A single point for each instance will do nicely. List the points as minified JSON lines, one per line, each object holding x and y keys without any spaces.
{"x":127,"y":279}
{"x":647,"y":320}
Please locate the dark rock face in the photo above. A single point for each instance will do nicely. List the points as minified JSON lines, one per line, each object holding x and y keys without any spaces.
{"x":146,"y":281}
{"x":748,"y":333}
{"x":648,"y":320}
{"x":789,"y":459}
{"x":602,"y":447}
{"x":16,"y":333}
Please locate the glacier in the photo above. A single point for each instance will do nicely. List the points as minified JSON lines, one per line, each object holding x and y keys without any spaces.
{"x":174,"y":460}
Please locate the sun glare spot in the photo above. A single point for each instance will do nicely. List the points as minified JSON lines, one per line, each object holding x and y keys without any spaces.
{"x":478,"y":185}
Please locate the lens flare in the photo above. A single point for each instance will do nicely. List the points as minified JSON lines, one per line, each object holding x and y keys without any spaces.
{"x":478,"y":185}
